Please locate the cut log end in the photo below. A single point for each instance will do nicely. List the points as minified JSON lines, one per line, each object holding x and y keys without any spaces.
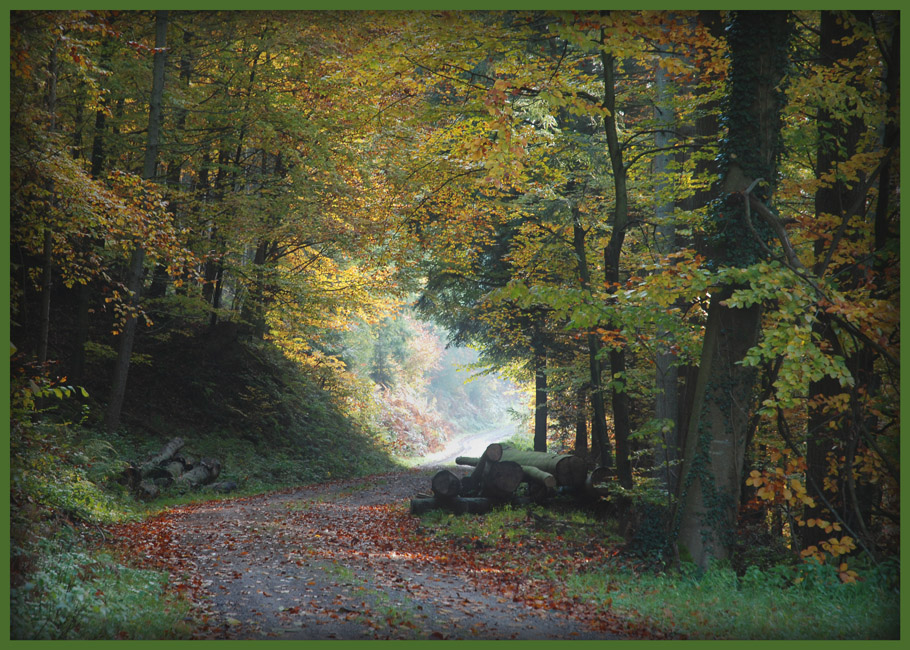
{"x":446,"y":484}
{"x":493,"y":452}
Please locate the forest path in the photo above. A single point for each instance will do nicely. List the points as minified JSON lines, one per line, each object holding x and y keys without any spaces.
{"x":471,"y":444}
{"x":345,"y":560}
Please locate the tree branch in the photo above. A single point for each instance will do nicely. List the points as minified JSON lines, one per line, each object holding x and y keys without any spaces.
{"x":792,"y":262}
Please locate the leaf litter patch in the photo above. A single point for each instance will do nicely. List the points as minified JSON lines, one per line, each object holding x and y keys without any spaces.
{"x":345,"y":560}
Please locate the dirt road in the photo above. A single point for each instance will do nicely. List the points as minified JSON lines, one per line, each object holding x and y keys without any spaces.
{"x":346,"y":560}
{"x":471,"y":444}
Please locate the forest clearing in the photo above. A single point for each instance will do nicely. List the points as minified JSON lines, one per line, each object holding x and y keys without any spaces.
{"x":454,"y":324}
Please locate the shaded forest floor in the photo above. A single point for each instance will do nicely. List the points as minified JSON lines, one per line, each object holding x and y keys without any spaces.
{"x":345,"y":560}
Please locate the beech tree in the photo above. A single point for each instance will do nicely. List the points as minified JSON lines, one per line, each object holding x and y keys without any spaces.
{"x":715,"y":447}
{"x":137,"y":257}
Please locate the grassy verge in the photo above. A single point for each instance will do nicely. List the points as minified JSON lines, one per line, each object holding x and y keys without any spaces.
{"x":77,"y":593}
{"x":801,"y":601}
{"x":784,"y":602}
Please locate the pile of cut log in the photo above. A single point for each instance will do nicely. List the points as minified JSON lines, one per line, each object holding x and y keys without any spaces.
{"x":499,"y":472}
{"x":167,"y":468}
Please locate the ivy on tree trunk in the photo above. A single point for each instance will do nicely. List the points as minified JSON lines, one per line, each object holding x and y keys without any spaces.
{"x":718,"y":430}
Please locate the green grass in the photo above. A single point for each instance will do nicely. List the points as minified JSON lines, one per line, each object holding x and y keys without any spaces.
{"x":762,"y":604}
{"x":505,"y":523}
{"x":79,"y":594}
{"x":801,"y":602}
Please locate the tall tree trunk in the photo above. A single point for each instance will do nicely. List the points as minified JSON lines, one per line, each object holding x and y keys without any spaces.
{"x":702,"y":131}
{"x":599,"y":421}
{"x":581,"y":422}
{"x":540,"y":397}
{"x":214,"y":259}
{"x":160,"y":277}
{"x":666,"y":406}
{"x":137,"y":259}
{"x":715,"y":447}
{"x":48,"y":244}
{"x":622,"y":427}
{"x":253,"y":311}
{"x":83,"y":291}
{"x":837,"y":143}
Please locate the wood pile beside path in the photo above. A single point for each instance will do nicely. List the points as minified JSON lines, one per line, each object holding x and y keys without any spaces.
{"x":497,"y":475}
{"x":167,"y":468}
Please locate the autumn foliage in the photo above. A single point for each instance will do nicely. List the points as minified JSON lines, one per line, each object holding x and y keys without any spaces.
{"x":582,"y":197}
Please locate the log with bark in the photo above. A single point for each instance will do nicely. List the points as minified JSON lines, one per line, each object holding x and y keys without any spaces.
{"x":492,"y":454}
{"x":541,"y":484}
{"x":147,"y":490}
{"x":223,"y":486}
{"x":497,"y":474}
{"x":473,"y":483}
{"x":445,"y":484}
{"x":568,"y":469}
{"x":206,"y":471}
{"x":167,"y":452}
{"x":458,"y":505}
{"x":500,"y":480}
{"x":595,"y":483}
{"x":536,"y":475}
{"x":166,"y":468}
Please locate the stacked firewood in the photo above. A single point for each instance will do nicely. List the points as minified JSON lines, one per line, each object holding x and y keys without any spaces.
{"x":167,"y":468}
{"x":499,"y":472}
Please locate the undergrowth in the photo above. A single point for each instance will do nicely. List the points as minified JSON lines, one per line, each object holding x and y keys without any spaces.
{"x":799,"y":601}
{"x":74,"y":593}
{"x":269,"y":425}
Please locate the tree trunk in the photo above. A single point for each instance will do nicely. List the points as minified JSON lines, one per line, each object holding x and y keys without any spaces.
{"x":599,"y":422}
{"x":48,"y":245}
{"x":533,"y":474}
{"x":167,"y":452}
{"x":715,"y":446}
{"x":581,"y":424}
{"x":622,"y":428}
{"x":540,"y":400}
{"x":666,"y":372}
{"x":147,"y":490}
{"x":703,"y":131}
{"x":205,"y":471}
{"x":46,"y":285}
{"x":715,"y":449}
{"x":492,"y":453}
{"x":838,"y":142}
{"x":474,"y":481}
{"x":137,"y":260}
{"x":127,"y":335}
{"x":83,"y":291}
